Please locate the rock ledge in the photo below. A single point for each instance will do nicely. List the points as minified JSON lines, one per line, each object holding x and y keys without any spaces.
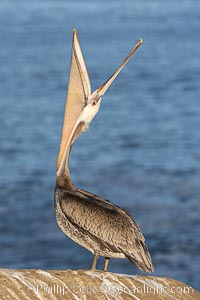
{"x":82,"y":284}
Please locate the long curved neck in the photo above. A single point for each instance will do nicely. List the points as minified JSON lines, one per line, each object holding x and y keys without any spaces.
{"x":63,"y":176}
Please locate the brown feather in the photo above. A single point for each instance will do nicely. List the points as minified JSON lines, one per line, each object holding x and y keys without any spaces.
{"x":107,"y":224}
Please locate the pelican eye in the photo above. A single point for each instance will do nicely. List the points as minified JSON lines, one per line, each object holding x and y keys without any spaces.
{"x":94,"y":102}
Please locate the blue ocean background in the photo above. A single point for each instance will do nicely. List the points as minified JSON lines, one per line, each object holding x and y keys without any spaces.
{"x":143,"y":148}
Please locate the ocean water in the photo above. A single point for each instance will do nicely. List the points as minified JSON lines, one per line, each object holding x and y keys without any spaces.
{"x":143,"y":148}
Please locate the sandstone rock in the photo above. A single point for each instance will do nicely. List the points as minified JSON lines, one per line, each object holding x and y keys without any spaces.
{"x":82,"y":284}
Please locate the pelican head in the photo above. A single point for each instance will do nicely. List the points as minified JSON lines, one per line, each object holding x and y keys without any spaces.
{"x":91,"y":109}
{"x":81,"y":104}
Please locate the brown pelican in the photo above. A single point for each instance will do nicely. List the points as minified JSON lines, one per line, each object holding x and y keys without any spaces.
{"x":91,"y":221}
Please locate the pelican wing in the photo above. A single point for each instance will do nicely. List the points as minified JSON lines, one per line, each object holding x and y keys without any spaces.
{"x":108,"y":225}
{"x":79,"y":89}
{"x":107,"y":204}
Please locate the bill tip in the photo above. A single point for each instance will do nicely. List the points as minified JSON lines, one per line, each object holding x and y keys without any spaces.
{"x":75,"y":36}
{"x":74,"y":32}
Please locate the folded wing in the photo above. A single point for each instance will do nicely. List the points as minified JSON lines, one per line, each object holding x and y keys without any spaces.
{"x":108,"y":225}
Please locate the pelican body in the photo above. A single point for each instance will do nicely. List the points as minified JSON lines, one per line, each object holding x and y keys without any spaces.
{"x":95,"y":223}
